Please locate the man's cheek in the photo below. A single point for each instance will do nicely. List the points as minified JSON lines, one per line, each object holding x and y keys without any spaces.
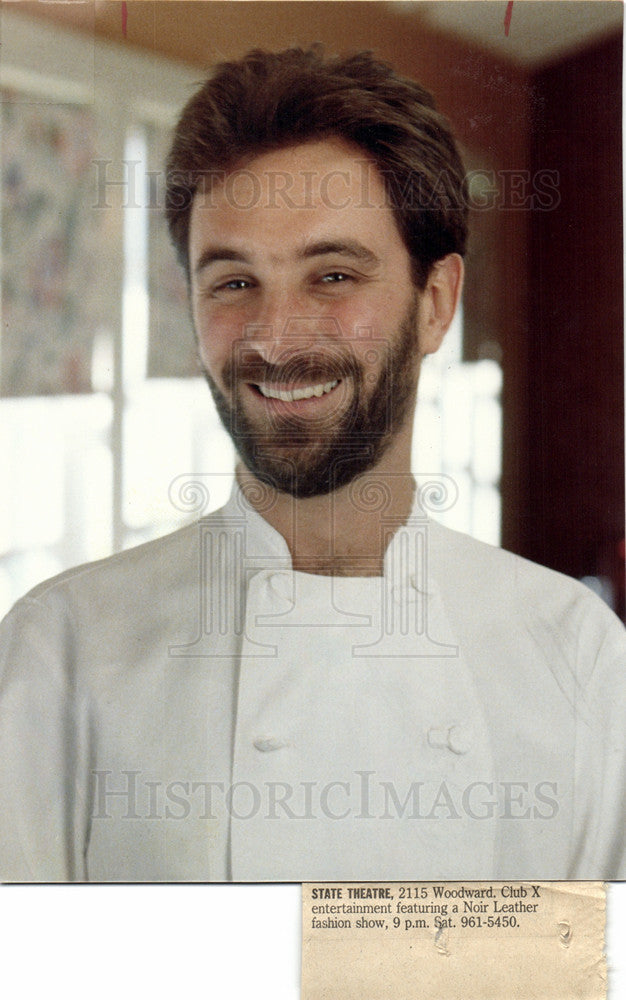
{"x":213,"y":366}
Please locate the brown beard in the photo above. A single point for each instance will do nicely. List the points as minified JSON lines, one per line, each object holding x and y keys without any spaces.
{"x":310,"y":458}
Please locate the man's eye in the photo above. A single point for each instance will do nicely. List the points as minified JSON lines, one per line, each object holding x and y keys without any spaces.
{"x":334,"y":277}
{"x":234,"y":285}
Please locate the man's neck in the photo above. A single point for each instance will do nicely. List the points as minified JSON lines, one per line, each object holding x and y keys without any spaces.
{"x":344,"y":533}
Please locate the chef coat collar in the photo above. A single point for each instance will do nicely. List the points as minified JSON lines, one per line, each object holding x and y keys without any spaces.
{"x":404,"y":564}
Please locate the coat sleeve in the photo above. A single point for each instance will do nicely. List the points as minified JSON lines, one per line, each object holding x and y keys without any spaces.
{"x":601,"y":757}
{"x":44,"y":803}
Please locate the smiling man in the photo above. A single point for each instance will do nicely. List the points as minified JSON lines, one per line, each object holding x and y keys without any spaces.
{"x":310,"y":329}
{"x":316,"y":681}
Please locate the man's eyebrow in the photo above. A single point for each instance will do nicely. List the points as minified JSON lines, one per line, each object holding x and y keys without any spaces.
{"x":211,"y":255}
{"x":345,"y":248}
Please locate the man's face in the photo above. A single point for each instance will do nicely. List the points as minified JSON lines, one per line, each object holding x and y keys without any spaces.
{"x":306,"y":316}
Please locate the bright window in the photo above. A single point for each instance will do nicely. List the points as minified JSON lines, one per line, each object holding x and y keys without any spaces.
{"x":458,"y":438}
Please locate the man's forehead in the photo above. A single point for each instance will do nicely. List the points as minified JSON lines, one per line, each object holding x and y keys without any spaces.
{"x":286,"y":201}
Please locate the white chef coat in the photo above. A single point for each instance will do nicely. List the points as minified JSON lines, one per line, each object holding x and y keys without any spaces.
{"x":193,"y":709}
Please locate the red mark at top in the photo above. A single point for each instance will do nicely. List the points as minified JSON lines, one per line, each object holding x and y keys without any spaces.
{"x":507,"y":17}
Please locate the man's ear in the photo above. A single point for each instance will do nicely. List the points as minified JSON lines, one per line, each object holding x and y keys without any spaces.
{"x":439,"y":301}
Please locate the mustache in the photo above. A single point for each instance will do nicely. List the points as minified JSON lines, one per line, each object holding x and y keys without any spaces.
{"x":247,"y":365}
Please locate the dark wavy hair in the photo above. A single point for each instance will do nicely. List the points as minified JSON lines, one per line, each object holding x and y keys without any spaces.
{"x":268,"y":101}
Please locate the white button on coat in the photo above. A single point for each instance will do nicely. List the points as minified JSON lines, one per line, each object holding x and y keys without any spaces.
{"x":265,"y":744}
{"x":459,"y":739}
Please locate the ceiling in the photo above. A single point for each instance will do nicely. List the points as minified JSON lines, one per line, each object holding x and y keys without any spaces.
{"x":539,"y":30}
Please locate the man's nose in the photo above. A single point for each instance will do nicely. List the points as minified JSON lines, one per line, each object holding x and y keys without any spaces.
{"x":285,"y":322}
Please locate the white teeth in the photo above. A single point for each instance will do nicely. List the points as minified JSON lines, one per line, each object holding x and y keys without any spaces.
{"x":289,"y":395}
